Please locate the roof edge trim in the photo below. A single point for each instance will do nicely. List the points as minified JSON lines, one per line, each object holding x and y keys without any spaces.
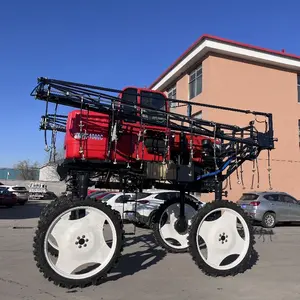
{"x":211,"y":43}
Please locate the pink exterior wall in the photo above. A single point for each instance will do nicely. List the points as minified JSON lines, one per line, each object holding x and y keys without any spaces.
{"x":239,"y":84}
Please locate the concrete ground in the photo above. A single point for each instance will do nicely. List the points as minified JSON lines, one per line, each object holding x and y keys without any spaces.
{"x":145,"y":272}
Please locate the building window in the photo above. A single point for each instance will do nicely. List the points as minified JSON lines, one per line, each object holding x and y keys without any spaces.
{"x":298,"y":87}
{"x":172,"y":95}
{"x":195,"y":83}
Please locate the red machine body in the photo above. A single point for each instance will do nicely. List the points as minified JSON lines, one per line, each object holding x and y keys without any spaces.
{"x":92,"y":142}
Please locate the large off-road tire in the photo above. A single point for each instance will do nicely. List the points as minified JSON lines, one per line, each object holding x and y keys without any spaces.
{"x":78,"y":242}
{"x":163,"y":225}
{"x":151,"y":219}
{"x":215,"y":226}
{"x":52,"y":248}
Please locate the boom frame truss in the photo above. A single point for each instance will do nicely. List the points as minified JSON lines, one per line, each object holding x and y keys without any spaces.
{"x":238,"y":144}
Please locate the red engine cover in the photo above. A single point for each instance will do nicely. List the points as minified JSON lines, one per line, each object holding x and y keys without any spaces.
{"x":94,"y":144}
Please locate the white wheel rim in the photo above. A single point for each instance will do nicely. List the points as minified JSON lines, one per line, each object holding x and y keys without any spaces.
{"x":51,"y":240}
{"x":168,"y":231}
{"x":91,"y":246}
{"x":222,"y":239}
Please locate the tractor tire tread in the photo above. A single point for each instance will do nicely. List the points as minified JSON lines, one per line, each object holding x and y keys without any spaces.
{"x":250,"y":256}
{"x":54,"y":209}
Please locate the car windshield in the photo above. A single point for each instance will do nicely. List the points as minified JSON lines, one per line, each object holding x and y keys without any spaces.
{"x":248,"y":197}
{"x":107,"y":197}
{"x":138,"y":196}
{"x":3,"y":190}
{"x":97,"y":193}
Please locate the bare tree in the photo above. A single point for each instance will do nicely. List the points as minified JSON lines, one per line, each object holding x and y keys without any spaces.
{"x":54,"y":157}
{"x":27,"y":170}
{"x":60,"y":153}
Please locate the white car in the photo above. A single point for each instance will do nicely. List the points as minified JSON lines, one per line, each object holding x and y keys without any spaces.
{"x":123,"y":202}
{"x":148,"y":205}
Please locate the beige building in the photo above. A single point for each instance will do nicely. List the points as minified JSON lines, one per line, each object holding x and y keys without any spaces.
{"x":48,"y":172}
{"x":228,"y":73}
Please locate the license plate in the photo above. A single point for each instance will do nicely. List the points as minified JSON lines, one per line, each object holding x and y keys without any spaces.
{"x":129,"y":215}
{"x":243,"y":205}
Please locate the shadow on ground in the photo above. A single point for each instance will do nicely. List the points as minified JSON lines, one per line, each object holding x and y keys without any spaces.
{"x":30,"y":210}
{"x":263,"y":233}
{"x":147,"y":255}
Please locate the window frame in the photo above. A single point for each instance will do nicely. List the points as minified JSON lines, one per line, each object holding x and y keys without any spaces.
{"x":172,"y":95}
{"x":196,"y":80}
{"x":147,"y":99}
{"x":123,"y":198}
{"x":276,"y":197}
{"x":245,"y":197}
{"x":162,"y":196}
{"x":139,"y":195}
{"x":132,"y":94}
{"x":292,"y":199}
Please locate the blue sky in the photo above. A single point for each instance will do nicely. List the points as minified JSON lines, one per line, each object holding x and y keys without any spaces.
{"x":113,"y":44}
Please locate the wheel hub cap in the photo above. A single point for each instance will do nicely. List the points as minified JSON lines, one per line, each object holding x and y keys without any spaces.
{"x":181,"y":225}
{"x":81,"y":241}
{"x":223,"y":238}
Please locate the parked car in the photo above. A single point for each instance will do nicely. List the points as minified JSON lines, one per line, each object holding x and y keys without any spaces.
{"x":122,"y":202}
{"x":91,"y":191}
{"x":138,"y":207}
{"x":7,"y":198}
{"x":21,"y":193}
{"x":270,"y":208}
{"x":148,"y":205}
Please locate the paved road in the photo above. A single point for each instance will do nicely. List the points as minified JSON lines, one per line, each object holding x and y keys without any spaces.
{"x":145,"y":272}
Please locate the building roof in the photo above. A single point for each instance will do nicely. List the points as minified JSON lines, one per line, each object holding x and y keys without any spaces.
{"x":208,"y":43}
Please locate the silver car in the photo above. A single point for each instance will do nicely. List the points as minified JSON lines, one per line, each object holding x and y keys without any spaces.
{"x":270,"y":208}
{"x":21,"y":193}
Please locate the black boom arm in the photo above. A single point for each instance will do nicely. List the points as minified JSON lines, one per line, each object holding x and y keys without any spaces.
{"x":237,"y":143}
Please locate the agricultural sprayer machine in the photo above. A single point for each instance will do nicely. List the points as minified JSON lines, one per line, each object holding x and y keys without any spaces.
{"x":132,"y":135}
